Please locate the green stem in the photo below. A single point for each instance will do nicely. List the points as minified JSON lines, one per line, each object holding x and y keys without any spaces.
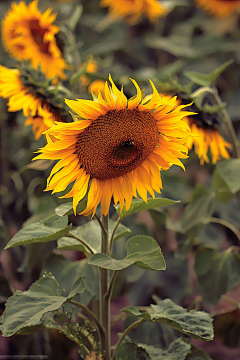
{"x":104,"y":299}
{"x":113,"y":233}
{"x":110,"y":289}
{"x":223,"y":223}
{"x":124,"y":334}
{"x":72,"y":235}
{"x":228,"y":123}
{"x":93,"y":317}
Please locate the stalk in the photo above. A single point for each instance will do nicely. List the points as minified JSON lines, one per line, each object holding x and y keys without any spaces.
{"x":104,"y":299}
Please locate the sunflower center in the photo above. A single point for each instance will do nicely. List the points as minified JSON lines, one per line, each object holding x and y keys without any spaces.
{"x":116,"y":143}
{"x":38,"y":34}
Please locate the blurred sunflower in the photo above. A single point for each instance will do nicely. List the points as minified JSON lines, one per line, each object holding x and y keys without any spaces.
{"x":206,"y":138}
{"x":119,"y":144}
{"x":133,"y":10}
{"x":96,"y":86}
{"x":91,"y":69}
{"x":28,"y":34}
{"x":36,"y":107}
{"x":219,"y":7}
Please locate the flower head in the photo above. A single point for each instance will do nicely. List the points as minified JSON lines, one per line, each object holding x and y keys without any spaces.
{"x":219,"y":7}
{"x":206,"y":137}
{"x":133,"y":10}
{"x":24,"y":95}
{"x":119,"y":145}
{"x":28,"y":34}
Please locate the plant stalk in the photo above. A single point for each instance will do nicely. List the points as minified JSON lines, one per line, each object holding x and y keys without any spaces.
{"x":104,"y":299}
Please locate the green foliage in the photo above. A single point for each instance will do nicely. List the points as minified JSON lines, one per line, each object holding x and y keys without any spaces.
{"x":207,"y":79}
{"x":196,"y":324}
{"x":217,"y":272}
{"x":91,"y":233}
{"x":141,"y":250}
{"x":229,"y":171}
{"x":139,"y":205}
{"x":177,"y":350}
{"x":131,"y":351}
{"x":42,"y":231}
{"x":25,"y":309}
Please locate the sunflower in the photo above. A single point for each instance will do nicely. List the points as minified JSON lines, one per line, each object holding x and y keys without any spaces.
{"x":119,"y":145}
{"x":35,"y":106}
{"x":133,"y":10}
{"x":219,"y":7}
{"x":96,"y":86}
{"x":205,"y":138}
{"x":28,"y":34}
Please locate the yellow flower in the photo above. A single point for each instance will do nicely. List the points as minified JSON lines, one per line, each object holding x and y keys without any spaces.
{"x":119,"y":144}
{"x":96,"y":86}
{"x":133,"y":10}
{"x":22,"y":97}
{"x":219,"y":7}
{"x":28,"y":34}
{"x":204,"y":139}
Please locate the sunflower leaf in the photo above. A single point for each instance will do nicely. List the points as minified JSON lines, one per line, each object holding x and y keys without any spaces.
{"x":177,"y":350}
{"x":196,"y":324}
{"x":217,"y":272}
{"x":67,"y":208}
{"x":131,"y":351}
{"x":142,"y":251}
{"x":42,"y":231}
{"x":25,"y":310}
{"x":91,"y":234}
{"x":229,"y":171}
{"x":140,"y":205}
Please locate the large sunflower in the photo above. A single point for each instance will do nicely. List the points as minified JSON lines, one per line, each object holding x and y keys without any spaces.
{"x":206,"y":138}
{"x":35,"y":106}
{"x":133,"y":10}
{"x":28,"y":34}
{"x":119,"y":144}
{"x":219,"y":7}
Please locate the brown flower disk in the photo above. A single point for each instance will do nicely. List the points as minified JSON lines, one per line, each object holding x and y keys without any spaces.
{"x":116,"y":143}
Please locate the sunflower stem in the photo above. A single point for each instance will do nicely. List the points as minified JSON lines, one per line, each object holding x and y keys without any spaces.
{"x":104,"y":298}
{"x":228,"y":123}
{"x":113,"y":233}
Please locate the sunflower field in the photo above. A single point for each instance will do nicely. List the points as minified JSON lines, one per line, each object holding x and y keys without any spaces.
{"x":120,"y":179}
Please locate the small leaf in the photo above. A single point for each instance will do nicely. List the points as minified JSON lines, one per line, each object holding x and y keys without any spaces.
{"x":140,"y":205}
{"x":196,"y":324}
{"x":42,"y":231}
{"x":26,"y":309}
{"x":141,"y":250}
{"x":207,"y":79}
{"x":91,"y":234}
{"x":177,"y":350}
{"x":217,"y":272}
{"x":229,"y":170}
{"x":131,"y":351}
{"x":67,"y":208}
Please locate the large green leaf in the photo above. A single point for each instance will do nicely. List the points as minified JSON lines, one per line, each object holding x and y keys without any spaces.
{"x":229,"y":170}
{"x":67,"y":272}
{"x":42,"y":231}
{"x":140,"y":205}
{"x":217,"y":272}
{"x":141,"y":250}
{"x":196,"y":324}
{"x":177,"y":350}
{"x":200,"y":208}
{"x":91,"y":234}
{"x":25,"y":309}
{"x":131,"y":351}
{"x":67,"y":208}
